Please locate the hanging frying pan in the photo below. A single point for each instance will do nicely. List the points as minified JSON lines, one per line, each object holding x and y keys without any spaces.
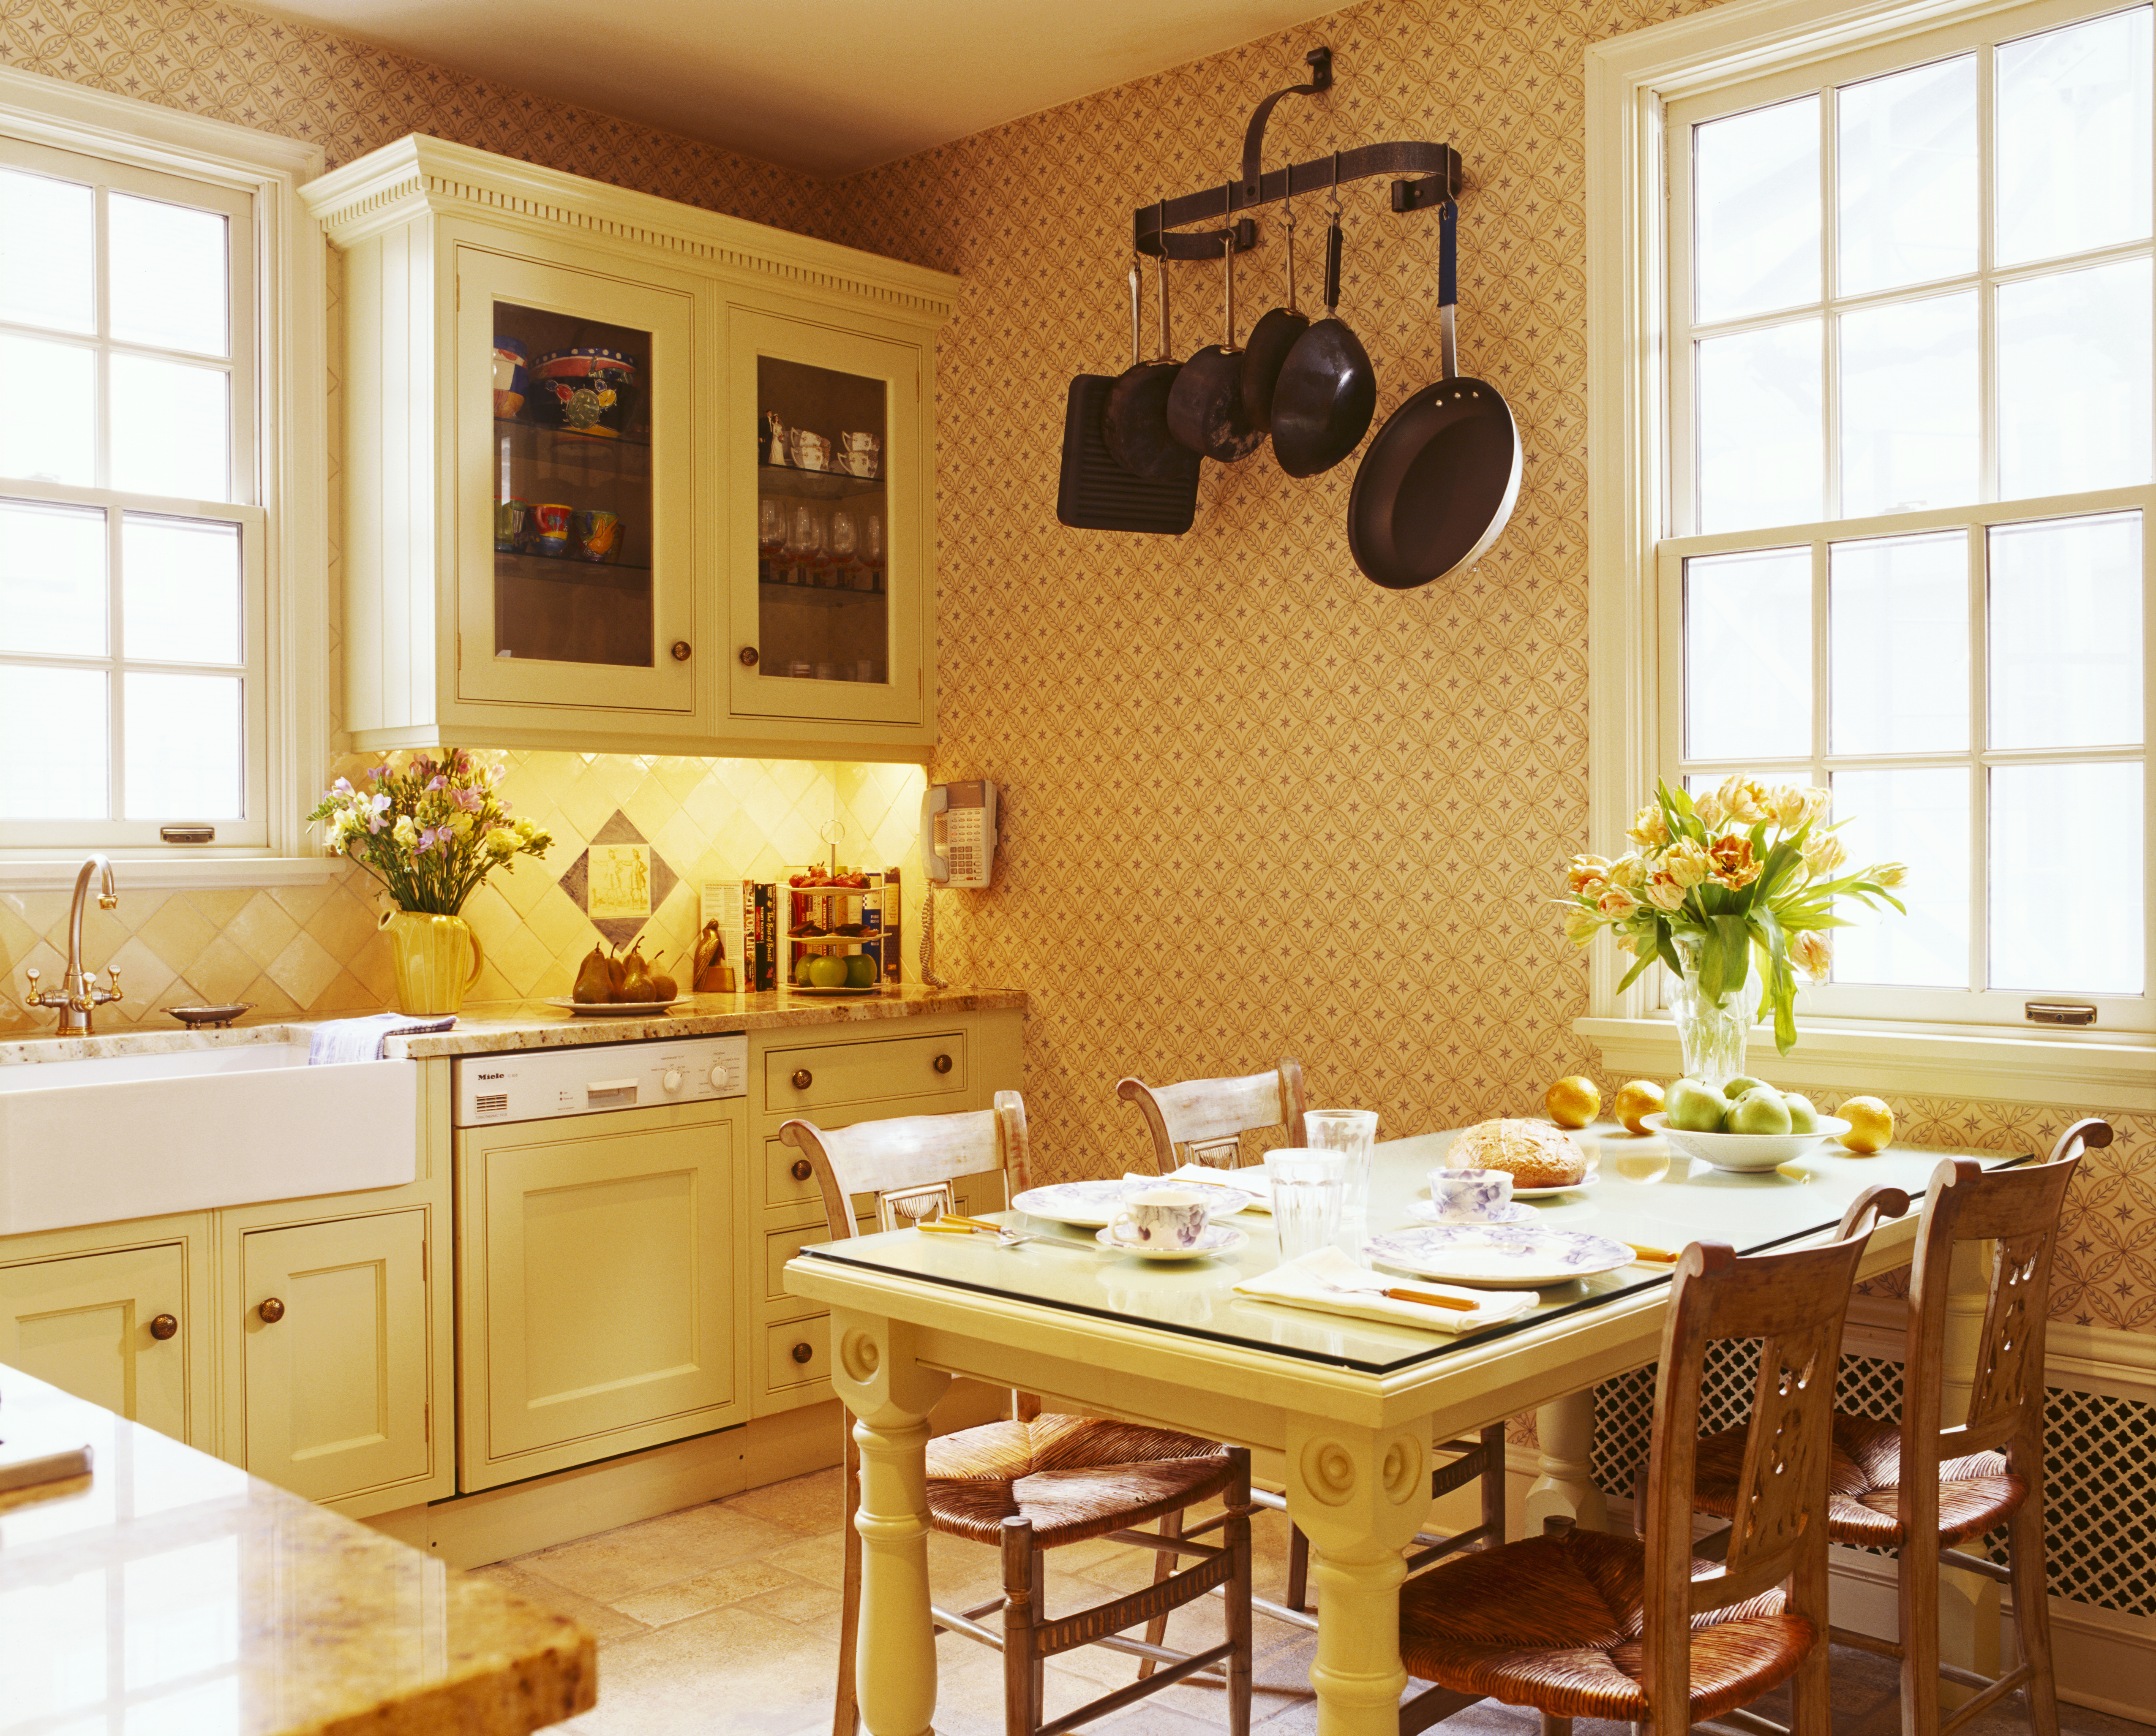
{"x":1205,"y":407}
{"x":1135,"y":422}
{"x":1439,"y":482}
{"x":1328,"y":390}
{"x":1274,"y":335}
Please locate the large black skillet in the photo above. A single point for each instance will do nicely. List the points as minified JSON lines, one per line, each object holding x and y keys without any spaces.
{"x":1438,"y":484}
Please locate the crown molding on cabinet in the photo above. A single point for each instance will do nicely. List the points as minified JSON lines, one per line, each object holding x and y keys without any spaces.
{"x":382,"y":189}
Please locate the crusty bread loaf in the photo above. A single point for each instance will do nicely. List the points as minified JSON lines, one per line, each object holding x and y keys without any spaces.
{"x":1536,"y":1154}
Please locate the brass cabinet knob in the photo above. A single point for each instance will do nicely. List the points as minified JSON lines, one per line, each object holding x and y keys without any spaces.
{"x":942,"y":1063}
{"x":163,"y":1326}
{"x":804,"y":1352}
{"x":272,"y":1311}
{"x":802,"y":1078}
{"x":680,"y":651}
{"x":748,"y":656}
{"x":802,"y":1168}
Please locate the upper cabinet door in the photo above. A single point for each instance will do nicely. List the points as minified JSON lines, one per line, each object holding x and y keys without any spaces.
{"x":826,"y":454}
{"x":576,"y":527}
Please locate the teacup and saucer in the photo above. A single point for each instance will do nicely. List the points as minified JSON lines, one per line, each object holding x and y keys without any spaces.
{"x":1168,"y":1223}
{"x":1471,"y":1197}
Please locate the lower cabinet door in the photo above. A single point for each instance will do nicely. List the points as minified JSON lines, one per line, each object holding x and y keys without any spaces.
{"x":104,"y":1327}
{"x":598,"y":1289}
{"x":335,"y":1357}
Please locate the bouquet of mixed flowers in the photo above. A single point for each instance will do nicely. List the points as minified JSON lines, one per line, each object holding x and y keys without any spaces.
{"x":1743,"y":869}
{"x":430,"y":831}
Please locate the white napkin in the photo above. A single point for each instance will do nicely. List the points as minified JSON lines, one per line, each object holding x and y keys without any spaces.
{"x":343,"y":1040}
{"x":1317,"y":1279}
{"x":1251,"y":1181}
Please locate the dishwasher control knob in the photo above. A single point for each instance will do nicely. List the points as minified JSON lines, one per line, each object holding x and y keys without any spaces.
{"x":720,"y":1080}
{"x":672,"y":1081}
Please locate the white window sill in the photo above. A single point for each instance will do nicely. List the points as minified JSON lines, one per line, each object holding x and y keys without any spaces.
{"x":48,"y":873}
{"x":2071,"y":1070}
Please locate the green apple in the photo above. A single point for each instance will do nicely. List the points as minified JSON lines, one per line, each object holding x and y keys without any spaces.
{"x":1803,"y":1119}
{"x":1693,"y":1107}
{"x":1741,"y":1084}
{"x":861,"y":970}
{"x":801,"y":970}
{"x":826,"y":971}
{"x":1760,"y":1111}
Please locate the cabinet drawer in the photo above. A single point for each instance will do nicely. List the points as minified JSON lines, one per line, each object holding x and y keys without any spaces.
{"x":929,"y":1068}
{"x":787,"y":1196}
{"x":797,"y":1353}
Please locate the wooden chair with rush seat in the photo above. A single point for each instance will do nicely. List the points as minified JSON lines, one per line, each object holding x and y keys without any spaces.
{"x":1207,"y":1118}
{"x":1920,"y":1486}
{"x":1038,"y":1482}
{"x":1585,"y":1624}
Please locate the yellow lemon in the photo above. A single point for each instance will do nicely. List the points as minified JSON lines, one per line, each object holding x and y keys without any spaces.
{"x":1637,"y":1101}
{"x":1871,"y":1125}
{"x":1572,"y":1101}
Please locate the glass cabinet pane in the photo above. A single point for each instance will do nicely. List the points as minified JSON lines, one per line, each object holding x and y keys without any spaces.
{"x":572,"y":511}
{"x":822,"y":523}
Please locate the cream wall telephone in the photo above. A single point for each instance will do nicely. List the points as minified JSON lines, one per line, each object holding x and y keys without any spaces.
{"x":958,"y":833}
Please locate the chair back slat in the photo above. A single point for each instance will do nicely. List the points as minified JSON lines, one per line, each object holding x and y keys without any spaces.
{"x":1209,"y":1117}
{"x":907,"y":1165}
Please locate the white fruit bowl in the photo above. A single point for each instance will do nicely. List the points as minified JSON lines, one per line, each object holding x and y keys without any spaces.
{"x":1745,"y":1153}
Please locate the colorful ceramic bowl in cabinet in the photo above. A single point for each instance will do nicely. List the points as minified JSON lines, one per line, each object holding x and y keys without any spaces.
{"x":584,"y":390}
{"x":512,"y":377}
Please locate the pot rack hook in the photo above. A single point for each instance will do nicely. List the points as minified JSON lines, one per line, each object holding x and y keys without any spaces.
{"x":1320,"y":63}
{"x":1336,"y":184}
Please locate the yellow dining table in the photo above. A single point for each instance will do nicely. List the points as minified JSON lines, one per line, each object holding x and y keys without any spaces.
{"x":1345,"y":1413}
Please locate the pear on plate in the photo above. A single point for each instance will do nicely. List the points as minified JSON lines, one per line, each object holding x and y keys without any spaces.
{"x":636,"y":984}
{"x":593,"y":985}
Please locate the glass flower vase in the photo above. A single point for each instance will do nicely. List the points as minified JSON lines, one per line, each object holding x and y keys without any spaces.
{"x":1712,"y":1030}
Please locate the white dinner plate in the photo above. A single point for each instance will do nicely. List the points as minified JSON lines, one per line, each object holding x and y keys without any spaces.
{"x":1095,"y":1203}
{"x":1424,"y":1212}
{"x":1505,"y":1257}
{"x":616,"y":1009}
{"x":1218,"y":1239}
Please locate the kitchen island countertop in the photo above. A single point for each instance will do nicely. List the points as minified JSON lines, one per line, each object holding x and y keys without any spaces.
{"x":170,"y":1589}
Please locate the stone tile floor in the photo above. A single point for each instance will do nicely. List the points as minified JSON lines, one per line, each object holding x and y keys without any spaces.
{"x":723,"y":1621}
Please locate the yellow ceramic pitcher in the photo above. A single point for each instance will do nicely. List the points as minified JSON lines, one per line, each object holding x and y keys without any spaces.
{"x":437,"y":960}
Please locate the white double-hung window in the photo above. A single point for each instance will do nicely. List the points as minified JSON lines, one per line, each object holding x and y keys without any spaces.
{"x":161,"y":481}
{"x":1874,"y":479}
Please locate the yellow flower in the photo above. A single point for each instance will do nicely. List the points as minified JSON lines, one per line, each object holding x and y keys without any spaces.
{"x":502,"y":843}
{"x":1734,"y":866}
{"x":1580,"y":926}
{"x":1629,"y":871}
{"x":1709,"y":810}
{"x":1687,"y":863}
{"x":1818,"y":803}
{"x":1791,"y":808}
{"x":1812,"y":953}
{"x":1617,"y":904}
{"x":1664,"y":893}
{"x":1649,"y":827}
{"x":1824,"y":853}
{"x":1891,"y":874}
{"x":1743,"y":800}
{"x":1587,"y":871}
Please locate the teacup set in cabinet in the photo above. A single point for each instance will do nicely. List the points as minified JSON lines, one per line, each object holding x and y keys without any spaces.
{"x":624,"y":474}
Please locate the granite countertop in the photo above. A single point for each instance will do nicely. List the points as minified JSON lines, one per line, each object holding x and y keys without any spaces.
{"x":491,"y":1027}
{"x":174,"y":1589}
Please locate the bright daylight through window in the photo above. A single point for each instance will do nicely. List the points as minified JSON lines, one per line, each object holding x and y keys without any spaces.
{"x":1908,"y":483}
{"x":131,"y":557}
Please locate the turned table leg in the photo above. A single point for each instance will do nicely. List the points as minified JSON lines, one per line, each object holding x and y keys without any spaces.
{"x":891,"y":1397}
{"x":1359,"y":1495}
{"x":1565,"y":1430}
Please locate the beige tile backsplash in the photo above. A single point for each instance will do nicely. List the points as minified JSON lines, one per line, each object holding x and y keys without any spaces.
{"x":315,"y":949}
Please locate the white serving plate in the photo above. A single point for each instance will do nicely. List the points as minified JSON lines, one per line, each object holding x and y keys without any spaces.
{"x":1424,"y":1212}
{"x":1745,"y":1153}
{"x":1504,"y":1257}
{"x":616,"y":1009}
{"x":1095,"y":1203}
{"x":1218,"y":1239}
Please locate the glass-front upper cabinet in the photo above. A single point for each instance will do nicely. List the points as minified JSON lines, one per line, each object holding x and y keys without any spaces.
{"x":826,"y":556}
{"x":576,"y":532}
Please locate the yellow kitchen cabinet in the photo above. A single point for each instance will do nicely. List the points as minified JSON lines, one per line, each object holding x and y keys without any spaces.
{"x":118,"y":1325}
{"x":667,"y":623}
{"x":335,"y":1356}
{"x":599,"y":1288}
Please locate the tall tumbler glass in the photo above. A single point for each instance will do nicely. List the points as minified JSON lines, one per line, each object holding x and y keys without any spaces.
{"x":1351,"y":1132}
{"x":1306,"y":1187}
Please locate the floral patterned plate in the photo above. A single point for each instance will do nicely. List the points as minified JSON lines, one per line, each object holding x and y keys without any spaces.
{"x":1218,"y":1239}
{"x":1094,"y":1203}
{"x":1423,"y":1212}
{"x":1504,"y":1257}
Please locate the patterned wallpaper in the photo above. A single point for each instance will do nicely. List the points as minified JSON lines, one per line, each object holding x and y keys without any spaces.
{"x":1257,"y":806}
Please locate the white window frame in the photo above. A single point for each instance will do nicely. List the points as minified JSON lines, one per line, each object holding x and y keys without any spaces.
{"x":290,"y":481}
{"x":1631,"y":81}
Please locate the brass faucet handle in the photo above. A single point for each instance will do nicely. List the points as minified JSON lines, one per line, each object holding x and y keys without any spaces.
{"x":108,"y":901}
{"x":105,"y":997}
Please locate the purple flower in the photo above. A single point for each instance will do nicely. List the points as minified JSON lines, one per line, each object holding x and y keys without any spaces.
{"x":375,"y":821}
{"x":378,"y":772}
{"x":439,"y":783}
{"x":342,"y":786}
{"x":468,"y":800}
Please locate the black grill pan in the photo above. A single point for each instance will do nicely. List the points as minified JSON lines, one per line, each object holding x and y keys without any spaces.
{"x":1097,"y":494}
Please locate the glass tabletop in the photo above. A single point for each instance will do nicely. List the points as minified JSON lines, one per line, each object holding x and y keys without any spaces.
{"x":1640,"y":1193}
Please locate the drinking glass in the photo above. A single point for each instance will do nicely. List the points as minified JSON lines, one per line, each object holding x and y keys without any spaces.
{"x":843,"y":540}
{"x":872,"y":540}
{"x":770,"y":526}
{"x":1351,"y":1132}
{"x":1306,"y":1187}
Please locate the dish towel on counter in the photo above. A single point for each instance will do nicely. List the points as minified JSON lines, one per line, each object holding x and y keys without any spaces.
{"x":368,"y":1039}
{"x":1250,"y":1180}
{"x":1318,"y":1280}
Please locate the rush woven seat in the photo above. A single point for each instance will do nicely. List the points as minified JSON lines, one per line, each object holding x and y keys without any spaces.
{"x":1554,"y":1622}
{"x":1580,"y":1624}
{"x":1036,"y":1483}
{"x":1074,"y":1477}
{"x":1977,"y":1492}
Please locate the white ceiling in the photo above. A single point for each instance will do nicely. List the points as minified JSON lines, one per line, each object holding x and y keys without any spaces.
{"x":832,"y":88}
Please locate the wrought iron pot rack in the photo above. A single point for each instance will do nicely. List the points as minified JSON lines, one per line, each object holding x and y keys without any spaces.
{"x":1437,"y":167}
